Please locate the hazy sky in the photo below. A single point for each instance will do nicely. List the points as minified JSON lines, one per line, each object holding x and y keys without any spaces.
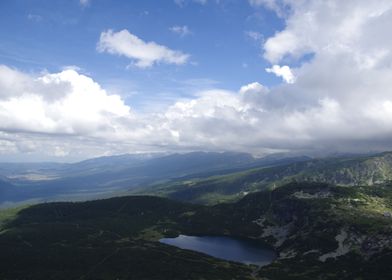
{"x":84,"y":78}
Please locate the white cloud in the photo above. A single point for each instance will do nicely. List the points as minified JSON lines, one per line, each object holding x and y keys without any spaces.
{"x":340,"y":101}
{"x":64,"y":103}
{"x":331,"y":27}
{"x":180,"y":30}
{"x":63,"y":114}
{"x":145,"y":54}
{"x":282,"y":71}
{"x":252,"y":88}
{"x":279,"y":45}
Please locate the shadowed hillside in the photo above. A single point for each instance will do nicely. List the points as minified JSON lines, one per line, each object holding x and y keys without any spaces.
{"x":319,"y":231}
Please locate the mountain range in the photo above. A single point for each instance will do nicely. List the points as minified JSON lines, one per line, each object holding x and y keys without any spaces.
{"x":344,"y":171}
{"x":115,"y":175}
{"x":201,"y":177}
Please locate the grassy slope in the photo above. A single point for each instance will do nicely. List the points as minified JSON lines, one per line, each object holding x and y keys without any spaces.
{"x":7,"y":215}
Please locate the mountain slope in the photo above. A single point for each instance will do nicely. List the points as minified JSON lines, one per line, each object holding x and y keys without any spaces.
{"x":336,"y":232}
{"x":320,"y":232}
{"x":367,"y":170}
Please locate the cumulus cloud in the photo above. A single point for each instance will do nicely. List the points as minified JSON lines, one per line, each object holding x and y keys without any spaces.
{"x":341,"y":99}
{"x":254,"y":93}
{"x":68,"y":114}
{"x":338,"y":92}
{"x":59,"y":103}
{"x":253,"y":87}
{"x":144,"y":54}
{"x":180,"y":30}
{"x":282,"y":71}
{"x":332,"y":27}
{"x":64,"y":114}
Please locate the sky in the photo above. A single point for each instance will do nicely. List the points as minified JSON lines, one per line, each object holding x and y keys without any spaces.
{"x":87,"y":78}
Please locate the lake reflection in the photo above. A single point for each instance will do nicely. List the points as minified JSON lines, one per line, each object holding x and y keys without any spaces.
{"x":227,"y":248}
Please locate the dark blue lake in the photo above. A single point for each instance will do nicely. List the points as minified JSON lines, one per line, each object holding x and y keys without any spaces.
{"x":232,"y":249}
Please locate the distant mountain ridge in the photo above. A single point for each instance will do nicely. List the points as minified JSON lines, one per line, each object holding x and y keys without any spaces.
{"x":201,"y":177}
{"x":107,"y":176}
{"x":344,"y":171}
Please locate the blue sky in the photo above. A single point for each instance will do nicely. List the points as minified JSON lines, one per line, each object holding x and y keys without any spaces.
{"x":48,"y":35}
{"x":86,"y":78}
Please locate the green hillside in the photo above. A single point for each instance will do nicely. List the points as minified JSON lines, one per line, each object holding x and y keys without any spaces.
{"x":365,"y":171}
{"x":320,"y":231}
